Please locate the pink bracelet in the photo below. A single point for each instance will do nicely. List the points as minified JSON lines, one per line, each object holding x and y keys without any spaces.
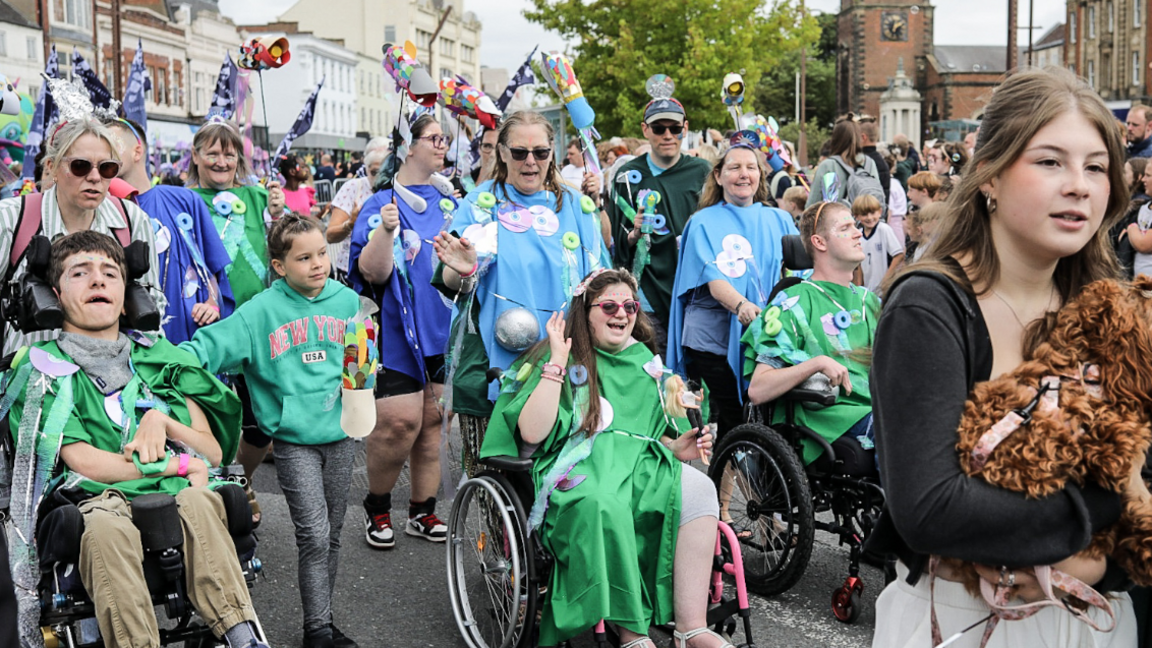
{"x":182,"y":471}
{"x":471,"y":272}
{"x":552,"y":368}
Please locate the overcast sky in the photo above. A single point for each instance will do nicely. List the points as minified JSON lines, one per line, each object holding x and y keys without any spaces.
{"x":508,"y":37}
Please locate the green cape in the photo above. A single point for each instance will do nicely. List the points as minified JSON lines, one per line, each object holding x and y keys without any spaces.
{"x":614,"y":534}
{"x":241,"y":276}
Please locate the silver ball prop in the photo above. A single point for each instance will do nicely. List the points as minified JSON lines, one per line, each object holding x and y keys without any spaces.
{"x":517,"y":329}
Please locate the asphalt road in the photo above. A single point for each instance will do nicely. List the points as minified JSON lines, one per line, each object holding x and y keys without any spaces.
{"x":400,"y":597}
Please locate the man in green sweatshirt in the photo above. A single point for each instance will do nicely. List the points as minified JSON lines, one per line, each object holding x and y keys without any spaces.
{"x":678,"y":178}
{"x":182,"y":422}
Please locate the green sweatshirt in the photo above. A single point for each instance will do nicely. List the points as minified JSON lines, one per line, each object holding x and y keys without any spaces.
{"x":290,"y":350}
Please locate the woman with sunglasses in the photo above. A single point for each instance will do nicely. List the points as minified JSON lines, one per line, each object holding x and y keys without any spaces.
{"x":631,"y":528}
{"x":347,"y":203}
{"x":730,"y":258}
{"x":81,"y":157}
{"x":391,"y":261}
{"x":515,"y":251}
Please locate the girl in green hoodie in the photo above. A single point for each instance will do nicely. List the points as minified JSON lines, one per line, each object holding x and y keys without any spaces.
{"x":288,"y":341}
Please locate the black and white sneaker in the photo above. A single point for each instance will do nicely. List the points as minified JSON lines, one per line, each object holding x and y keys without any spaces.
{"x":378,"y":530}
{"x":427,"y":526}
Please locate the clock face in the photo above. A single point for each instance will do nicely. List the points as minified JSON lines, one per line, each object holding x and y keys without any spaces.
{"x":894,"y":26}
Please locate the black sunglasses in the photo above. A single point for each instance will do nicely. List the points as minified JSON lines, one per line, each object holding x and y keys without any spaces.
{"x":610,"y":307}
{"x":81,"y":167}
{"x":659,"y":129}
{"x":521,"y":154}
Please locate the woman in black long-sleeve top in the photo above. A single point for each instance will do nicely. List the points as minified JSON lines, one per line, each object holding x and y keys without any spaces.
{"x":1027,"y":230}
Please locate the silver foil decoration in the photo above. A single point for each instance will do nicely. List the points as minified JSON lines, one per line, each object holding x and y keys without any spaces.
{"x":517,"y":329}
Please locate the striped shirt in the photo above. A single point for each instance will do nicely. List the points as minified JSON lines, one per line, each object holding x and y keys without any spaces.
{"x":52,"y":225}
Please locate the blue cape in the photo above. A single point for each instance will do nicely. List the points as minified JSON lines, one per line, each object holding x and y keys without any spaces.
{"x":529,"y":264}
{"x":710,"y":250}
{"x":181,"y":269}
{"x":410,"y":308}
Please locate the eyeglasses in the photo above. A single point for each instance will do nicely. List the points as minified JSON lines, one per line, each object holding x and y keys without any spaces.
{"x":81,"y":167}
{"x":521,"y":154}
{"x":436,"y":140}
{"x":659,"y":129}
{"x":213,"y":158}
{"x":487,"y":147}
{"x":610,"y":307}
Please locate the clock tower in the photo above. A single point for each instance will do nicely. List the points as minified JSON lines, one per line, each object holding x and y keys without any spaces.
{"x":873,"y":37}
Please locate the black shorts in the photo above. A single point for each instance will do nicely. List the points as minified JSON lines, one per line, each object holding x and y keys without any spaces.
{"x":394,"y":383}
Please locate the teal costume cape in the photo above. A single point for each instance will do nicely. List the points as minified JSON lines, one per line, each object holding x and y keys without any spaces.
{"x":818,"y":318}
{"x":612,"y":516}
{"x":740,"y":245}
{"x":238,"y":214}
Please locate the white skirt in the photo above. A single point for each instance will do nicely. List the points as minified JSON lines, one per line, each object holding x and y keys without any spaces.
{"x":904,"y":620}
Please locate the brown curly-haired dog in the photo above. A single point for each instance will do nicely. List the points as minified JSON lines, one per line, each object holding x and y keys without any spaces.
{"x":1095,"y":434}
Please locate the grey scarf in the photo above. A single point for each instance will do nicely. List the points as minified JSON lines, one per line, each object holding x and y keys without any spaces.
{"x":105,"y":361}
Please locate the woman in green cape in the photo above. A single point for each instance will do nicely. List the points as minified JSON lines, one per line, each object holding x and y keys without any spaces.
{"x":632,"y":530}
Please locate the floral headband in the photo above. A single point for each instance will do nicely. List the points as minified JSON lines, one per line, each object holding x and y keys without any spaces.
{"x":583,"y":287}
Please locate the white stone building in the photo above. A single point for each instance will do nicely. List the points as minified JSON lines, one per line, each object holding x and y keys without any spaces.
{"x":21,"y":50}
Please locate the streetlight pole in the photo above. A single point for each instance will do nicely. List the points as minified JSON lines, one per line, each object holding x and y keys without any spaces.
{"x":802,"y":143}
{"x":117,"y":55}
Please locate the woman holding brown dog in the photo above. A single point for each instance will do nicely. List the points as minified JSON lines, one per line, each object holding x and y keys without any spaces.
{"x":1027,"y":229}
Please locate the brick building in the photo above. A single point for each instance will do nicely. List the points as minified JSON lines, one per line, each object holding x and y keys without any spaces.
{"x":1107,"y":42}
{"x":874,"y":36}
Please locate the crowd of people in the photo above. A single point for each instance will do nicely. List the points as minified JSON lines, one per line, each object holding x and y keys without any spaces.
{"x":601,"y":297}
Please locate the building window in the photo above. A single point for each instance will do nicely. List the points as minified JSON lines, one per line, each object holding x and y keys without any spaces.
{"x":1072,"y":27}
{"x":466,"y":53}
{"x":3,"y":43}
{"x":447,"y":47}
{"x":1136,"y":68}
{"x":423,"y":40}
{"x":1092,"y":73}
{"x":1111,"y":17}
{"x":1091,"y":22}
{"x":389,"y":33}
{"x":1072,"y":68}
{"x":1136,"y":13}
{"x":445,"y":73}
{"x":77,"y":13}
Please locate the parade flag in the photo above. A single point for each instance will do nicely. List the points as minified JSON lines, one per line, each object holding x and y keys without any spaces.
{"x":224,"y":96}
{"x":101,"y":98}
{"x":138,"y":84}
{"x":523,"y":77}
{"x":44,"y":115}
{"x":302,"y":125}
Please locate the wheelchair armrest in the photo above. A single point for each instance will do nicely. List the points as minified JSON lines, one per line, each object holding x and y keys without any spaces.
{"x":508,"y":464}
{"x":827,"y":399}
{"x":825,"y":447}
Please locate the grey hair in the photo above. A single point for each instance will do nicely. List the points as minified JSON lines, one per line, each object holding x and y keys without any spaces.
{"x":378,"y":144}
{"x":375,"y":156}
{"x":65,"y":137}
{"x":229,"y":138}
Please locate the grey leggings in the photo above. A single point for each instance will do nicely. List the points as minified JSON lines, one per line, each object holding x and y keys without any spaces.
{"x":315,"y":480}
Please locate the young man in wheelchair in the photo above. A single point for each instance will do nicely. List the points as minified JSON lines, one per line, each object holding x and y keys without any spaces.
{"x":818,"y":333}
{"x":109,"y":417}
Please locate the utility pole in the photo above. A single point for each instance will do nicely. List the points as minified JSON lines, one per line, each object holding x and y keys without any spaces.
{"x":1031,"y":28}
{"x":117,"y":55}
{"x":432,"y":43}
{"x":1012,"y":61}
{"x":95,"y":41}
{"x":802,"y":141}
{"x":42,"y":14}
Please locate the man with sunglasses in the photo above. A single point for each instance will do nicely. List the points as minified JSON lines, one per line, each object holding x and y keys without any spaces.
{"x":678,"y":178}
{"x":192,"y":266}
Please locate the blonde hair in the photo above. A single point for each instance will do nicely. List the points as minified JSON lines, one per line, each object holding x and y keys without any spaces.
{"x":815,"y":221}
{"x":865,"y":204}
{"x":713,"y":193}
{"x":927,"y":182}
{"x":927,"y":214}
{"x":67,"y":134}
{"x":797,"y":195}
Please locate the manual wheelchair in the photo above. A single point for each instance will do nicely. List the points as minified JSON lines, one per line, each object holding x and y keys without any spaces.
{"x":773,"y":498}
{"x":498,"y":572}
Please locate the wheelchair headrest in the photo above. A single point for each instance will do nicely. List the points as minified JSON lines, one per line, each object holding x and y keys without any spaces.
{"x":795,"y":256}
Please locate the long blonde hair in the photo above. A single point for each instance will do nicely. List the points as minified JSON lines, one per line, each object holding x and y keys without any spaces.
{"x":713,"y":193}
{"x":1023,"y":105}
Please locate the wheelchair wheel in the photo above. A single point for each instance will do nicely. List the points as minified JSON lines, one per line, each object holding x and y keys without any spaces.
{"x":491,"y":573}
{"x":765,"y":492}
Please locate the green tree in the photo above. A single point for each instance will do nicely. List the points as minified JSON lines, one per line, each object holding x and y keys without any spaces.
{"x":816,"y":133}
{"x":775,"y":94}
{"x":620,"y":43}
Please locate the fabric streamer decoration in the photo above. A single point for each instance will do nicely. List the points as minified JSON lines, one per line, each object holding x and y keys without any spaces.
{"x":647,"y":199}
{"x":562,"y":79}
{"x":733,"y":95}
{"x":830,"y":186}
{"x":400,"y":63}
{"x":358,"y":374}
{"x":463,"y":99}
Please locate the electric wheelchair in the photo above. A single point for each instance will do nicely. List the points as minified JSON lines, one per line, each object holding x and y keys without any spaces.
{"x":498,"y":572}
{"x":67,"y":613}
{"x":773,"y":499}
